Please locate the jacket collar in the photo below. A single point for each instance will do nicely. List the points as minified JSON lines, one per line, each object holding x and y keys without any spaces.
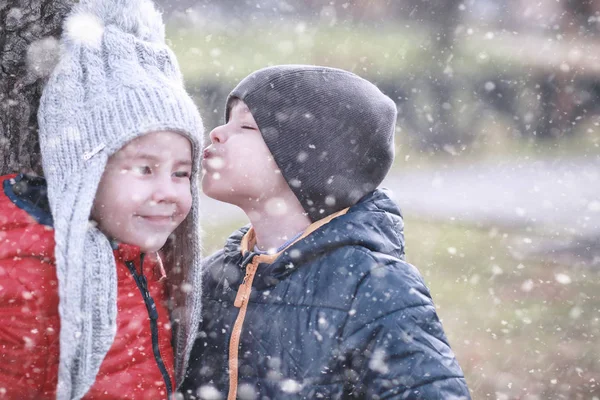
{"x":249,"y":239}
{"x":271,"y":270}
{"x":130,"y":253}
{"x":374,"y":223}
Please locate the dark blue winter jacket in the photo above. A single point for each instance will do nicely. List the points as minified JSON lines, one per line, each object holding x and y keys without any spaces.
{"x":339,"y":314}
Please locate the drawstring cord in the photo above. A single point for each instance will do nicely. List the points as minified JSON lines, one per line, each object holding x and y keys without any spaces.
{"x":142,"y":284}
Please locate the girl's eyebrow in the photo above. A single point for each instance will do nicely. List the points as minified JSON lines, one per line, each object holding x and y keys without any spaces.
{"x":141,"y":156}
{"x":184,"y":162}
{"x":157,"y":160}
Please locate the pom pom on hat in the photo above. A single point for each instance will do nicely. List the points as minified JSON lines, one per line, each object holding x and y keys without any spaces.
{"x":87,"y":20}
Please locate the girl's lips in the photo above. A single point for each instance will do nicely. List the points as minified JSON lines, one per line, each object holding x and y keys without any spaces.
{"x":157,"y":219}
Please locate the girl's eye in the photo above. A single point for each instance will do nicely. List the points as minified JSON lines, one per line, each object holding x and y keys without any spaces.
{"x":142,"y":170}
{"x":182,"y":174}
{"x":248,"y":127}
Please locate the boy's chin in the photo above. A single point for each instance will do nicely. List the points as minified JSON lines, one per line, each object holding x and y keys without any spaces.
{"x":227,"y":193}
{"x":212,"y":191}
{"x":217,"y":188}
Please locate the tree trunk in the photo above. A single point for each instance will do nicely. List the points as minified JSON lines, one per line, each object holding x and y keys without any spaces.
{"x":29,"y":32}
{"x":445,"y":17}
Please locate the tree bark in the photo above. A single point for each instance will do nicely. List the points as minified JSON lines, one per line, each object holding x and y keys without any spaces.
{"x":443,"y":18}
{"x":29,"y":33}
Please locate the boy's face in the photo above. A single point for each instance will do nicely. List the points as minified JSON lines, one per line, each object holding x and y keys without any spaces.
{"x":144,"y":193}
{"x":238,"y":166}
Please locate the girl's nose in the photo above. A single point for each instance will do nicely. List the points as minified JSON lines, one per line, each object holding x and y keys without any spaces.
{"x":165,"y":191}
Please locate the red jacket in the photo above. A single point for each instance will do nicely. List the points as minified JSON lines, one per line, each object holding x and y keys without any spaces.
{"x":30,"y":323}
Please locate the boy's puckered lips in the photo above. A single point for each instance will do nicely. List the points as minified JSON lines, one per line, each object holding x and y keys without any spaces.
{"x":212,"y":159}
{"x":209,"y":152}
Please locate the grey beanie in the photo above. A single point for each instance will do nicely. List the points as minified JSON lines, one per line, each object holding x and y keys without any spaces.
{"x":330,"y":132}
{"x":116,"y":80}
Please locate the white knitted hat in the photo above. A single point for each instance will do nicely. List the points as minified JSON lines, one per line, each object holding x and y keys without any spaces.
{"x":116,"y":80}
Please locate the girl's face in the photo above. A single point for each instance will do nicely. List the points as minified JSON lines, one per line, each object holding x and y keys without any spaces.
{"x":144,"y":193}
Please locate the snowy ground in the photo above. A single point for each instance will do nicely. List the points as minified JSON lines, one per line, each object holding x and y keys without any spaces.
{"x":556,"y":195}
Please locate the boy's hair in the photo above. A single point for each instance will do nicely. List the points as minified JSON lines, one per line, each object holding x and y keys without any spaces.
{"x":116,"y":80}
{"x":330,"y":132}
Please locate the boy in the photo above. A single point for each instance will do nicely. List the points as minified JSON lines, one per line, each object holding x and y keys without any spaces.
{"x":83,"y":293}
{"x":314,"y":298}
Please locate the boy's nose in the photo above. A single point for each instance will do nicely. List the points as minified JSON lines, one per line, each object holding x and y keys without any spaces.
{"x":217,"y":135}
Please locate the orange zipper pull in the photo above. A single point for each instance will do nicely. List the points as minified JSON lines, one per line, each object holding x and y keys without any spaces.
{"x":245,"y":288}
{"x":241,"y":301}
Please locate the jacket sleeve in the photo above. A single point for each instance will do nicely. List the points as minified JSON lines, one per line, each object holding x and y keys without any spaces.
{"x":394,"y":343}
{"x":29,"y":321}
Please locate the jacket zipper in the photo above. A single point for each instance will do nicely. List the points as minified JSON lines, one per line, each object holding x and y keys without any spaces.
{"x":142,"y":284}
{"x":243,"y":294}
{"x":241,"y":301}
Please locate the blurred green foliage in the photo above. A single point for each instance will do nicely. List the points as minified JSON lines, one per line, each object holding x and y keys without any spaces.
{"x":501,"y":93}
{"x":388,"y":51}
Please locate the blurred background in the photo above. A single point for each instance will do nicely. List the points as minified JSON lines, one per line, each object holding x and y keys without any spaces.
{"x":497,"y":167}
